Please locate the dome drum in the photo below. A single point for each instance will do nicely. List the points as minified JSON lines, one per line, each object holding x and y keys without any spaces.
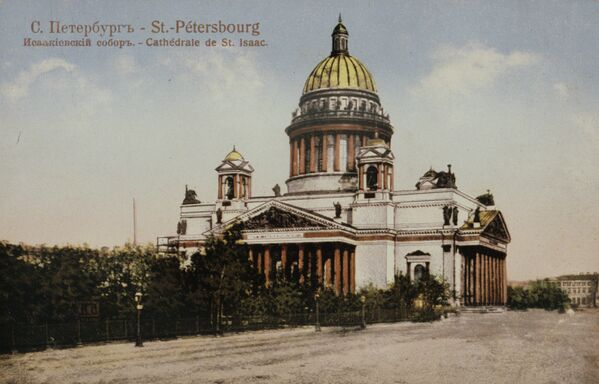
{"x":321,"y":183}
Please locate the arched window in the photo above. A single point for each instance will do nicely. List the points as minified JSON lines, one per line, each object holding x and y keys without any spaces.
{"x":419,"y":272}
{"x":371,"y":178}
{"x":229,"y":190}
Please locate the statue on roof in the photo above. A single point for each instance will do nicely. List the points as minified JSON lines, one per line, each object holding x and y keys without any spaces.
{"x":477,"y":215}
{"x":182,"y":227}
{"x":455,"y":215}
{"x":337,"y":210}
{"x":446,"y":214}
{"x":277,"y":190}
{"x":486,"y":199}
{"x":190,"y":197}
{"x":433,"y":179}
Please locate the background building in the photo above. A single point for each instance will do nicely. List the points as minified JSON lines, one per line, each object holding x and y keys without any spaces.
{"x":341,"y":223}
{"x":582,"y":289}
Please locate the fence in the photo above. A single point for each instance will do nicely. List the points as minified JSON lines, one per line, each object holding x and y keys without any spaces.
{"x":26,"y":337}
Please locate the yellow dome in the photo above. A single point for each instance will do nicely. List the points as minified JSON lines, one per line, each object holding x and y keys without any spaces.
{"x":234,"y":155}
{"x":340,"y":71}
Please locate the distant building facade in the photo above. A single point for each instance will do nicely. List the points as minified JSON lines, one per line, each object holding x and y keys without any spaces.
{"x":582,"y":289}
{"x":342,"y":224}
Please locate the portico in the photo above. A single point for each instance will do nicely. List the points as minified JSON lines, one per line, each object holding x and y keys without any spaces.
{"x":316,"y":264}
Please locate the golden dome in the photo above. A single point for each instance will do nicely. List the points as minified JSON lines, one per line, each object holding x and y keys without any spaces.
{"x":234,"y":155}
{"x":377,"y":141}
{"x":340,"y":71}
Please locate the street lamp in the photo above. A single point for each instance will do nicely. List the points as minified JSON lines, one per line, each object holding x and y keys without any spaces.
{"x":419,"y":302}
{"x":317,"y":326}
{"x":363,"y":301}
{"x":138,"y":342}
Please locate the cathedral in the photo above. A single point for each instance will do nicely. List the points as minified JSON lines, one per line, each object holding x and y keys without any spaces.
{"x":342,"y":224}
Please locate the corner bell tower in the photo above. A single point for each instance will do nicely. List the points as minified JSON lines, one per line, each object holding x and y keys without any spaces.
{"x":375,"y":170}
{"x":234,"y":178}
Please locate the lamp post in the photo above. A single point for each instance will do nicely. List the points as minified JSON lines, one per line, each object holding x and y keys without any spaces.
{"x":363,"y":301}
{"x":317,"y":326}
{"x":138,"y":342}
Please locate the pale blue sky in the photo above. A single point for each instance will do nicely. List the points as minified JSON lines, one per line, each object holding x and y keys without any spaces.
{"x":508,"y":92}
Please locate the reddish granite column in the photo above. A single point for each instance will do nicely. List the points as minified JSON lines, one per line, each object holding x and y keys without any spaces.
{"x":487,"y":275}
{"x":352,"y":271}
{"x":259,"y":261}
{"x":504,"y":279}
{"x":284,"y":259}
{"x":486,"y":279}
{"x":267,"y":265}
{"x":235,"y":194}
{"x":312,"y":154}
{"x":300,"y":262}
{"x":325,"y":152}
{"x":345,"y":271}
{"x":336,"y":160}
{"x":463,"y":278}
{"x":473,"y":276}
{"x":337,"y":270}
{"x":350,"y":153}
{"x":477,"y":272}
{"x":496,"y":280}
{"x":290,"y":158}
{"x":220,"y":187}
{"x":302,"y":156}
{"x":493,"y":281}
{"x":361,"y":178}
{"x":328,"y":274}
{"x":318,"y":264}
{"x":491,"y":287}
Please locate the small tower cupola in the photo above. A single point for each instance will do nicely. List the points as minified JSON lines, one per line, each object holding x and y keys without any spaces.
{"x":340,"y":39}
{"x":375,"y":168}
{"x":234,"y":177}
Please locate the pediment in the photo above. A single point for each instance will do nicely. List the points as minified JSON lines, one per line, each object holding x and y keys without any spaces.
{"x":277,"y":218}
{"x":376,"y":152}
{"x":497,"y":228}
{"x":227,"y":165}
{"x":275,"y":215}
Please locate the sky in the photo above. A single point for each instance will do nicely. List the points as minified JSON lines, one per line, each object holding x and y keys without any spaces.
{"x":507,"y":92}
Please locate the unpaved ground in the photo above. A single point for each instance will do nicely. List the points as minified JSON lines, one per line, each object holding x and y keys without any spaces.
{"x":512,"y":347}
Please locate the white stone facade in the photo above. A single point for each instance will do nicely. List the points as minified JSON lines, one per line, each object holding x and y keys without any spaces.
{"x":341,"y":210}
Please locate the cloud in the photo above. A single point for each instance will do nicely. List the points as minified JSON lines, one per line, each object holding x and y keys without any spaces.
{"x":588,"y":122}
{"x":70,"y":86}
{"x":463,"y":70}
{"x":222,"y":72}
{"x":125,"y":64}
{"x":19,"y":88}
{"x":562,"y":90}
